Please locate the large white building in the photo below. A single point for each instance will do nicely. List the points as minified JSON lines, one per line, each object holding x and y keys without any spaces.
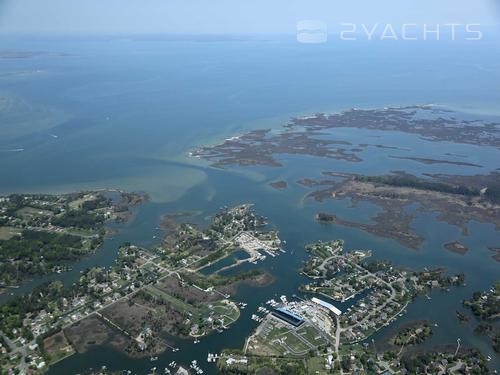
{"x":327,"y":305}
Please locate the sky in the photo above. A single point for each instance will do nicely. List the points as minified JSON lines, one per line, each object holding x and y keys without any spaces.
{"x":229,"y":16}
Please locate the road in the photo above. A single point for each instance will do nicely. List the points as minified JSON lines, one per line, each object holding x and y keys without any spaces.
{"x":21,"y":350}
{"x":164,"y":273}
{"x":378,"y":309}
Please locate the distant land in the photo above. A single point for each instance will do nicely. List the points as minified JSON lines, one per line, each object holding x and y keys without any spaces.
{"x":301,"y":136}
{"x":457,"y":199}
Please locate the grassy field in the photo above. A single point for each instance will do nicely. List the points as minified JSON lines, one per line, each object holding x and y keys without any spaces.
{"x":8,"y":232}
{"x":81,"y":232}
{"x":268,"y":365}
{"x":277,"y":332}
{"x":31,"y":212}
{"x":92,"y":332}
{"x":295,"y":344}
{"x":326,"y":290}
{"x":276,"y":339}
{"x":316,"y":365}
{"x":57,"y":347}
{"x":281,"y":339}
{"x":312,"y":335}
{"x":322,"y":253}
{"x":229,"y":312}
{"x":77,"y":203}
{"x":176,"y":303}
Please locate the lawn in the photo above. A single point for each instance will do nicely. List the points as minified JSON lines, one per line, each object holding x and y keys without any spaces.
{"x":296,"y":344}
{"x":176,"y":303}
{"x":57,"y":347}
{"x":229,"y":312}
{"x":31,"y":212}
{"x":77,"y":203}
{"x":312,"y":335}
{"x":276,"y":332}
{"x":316,"y":365}
{"x":7,"y":233}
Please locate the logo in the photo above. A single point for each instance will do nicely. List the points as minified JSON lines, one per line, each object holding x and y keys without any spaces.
{"x":312,"y":31}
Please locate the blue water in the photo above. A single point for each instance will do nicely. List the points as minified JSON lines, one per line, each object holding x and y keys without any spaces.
{"x":126,"y":112}
{"x":118,"y":105}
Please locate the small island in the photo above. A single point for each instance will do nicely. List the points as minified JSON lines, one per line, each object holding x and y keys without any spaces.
{"x":457,"y":199}
{"x":496,"y":253}
{"x":415,"y":334}
{"x":279,"y":184}
{"x":324,"y":217}
{"x":436,"y":161}
{"x":456,"y":247}
{"x":302,"y":136}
